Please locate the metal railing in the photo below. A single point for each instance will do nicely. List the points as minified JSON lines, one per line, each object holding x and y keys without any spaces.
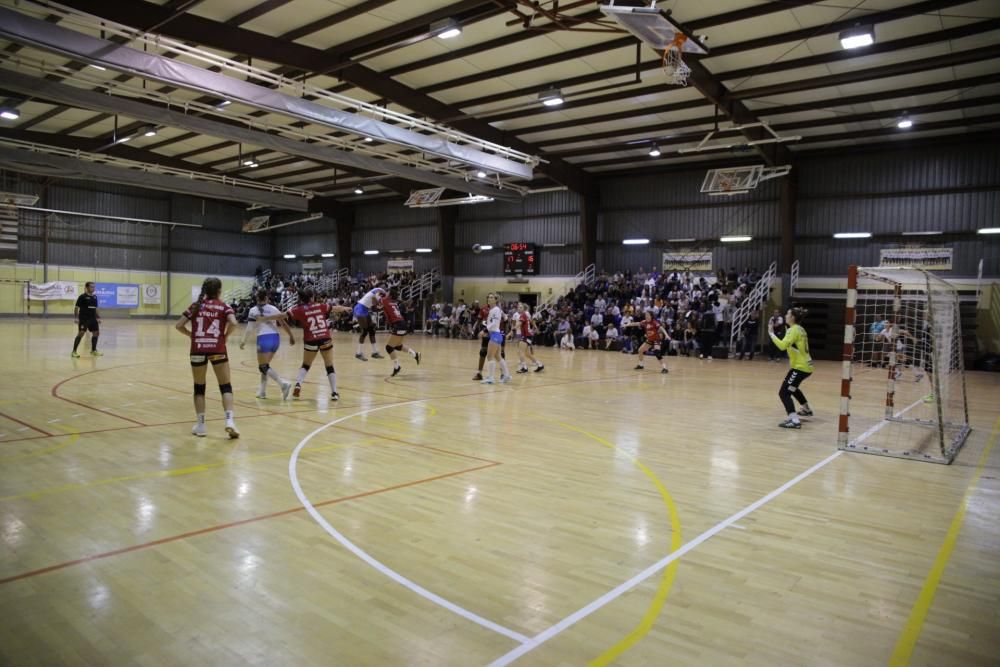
{"x":794,"y":279}
{"x":752,"y":303}
{"x":422,"y":287}
{"x":586,"y":277}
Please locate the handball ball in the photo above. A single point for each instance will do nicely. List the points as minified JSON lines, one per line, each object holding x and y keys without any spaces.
{"x":476,"y":248}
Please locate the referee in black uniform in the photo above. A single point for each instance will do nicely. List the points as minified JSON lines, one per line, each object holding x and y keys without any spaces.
{"x":86,"y":318}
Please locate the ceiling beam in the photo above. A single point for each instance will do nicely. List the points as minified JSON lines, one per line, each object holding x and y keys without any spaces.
{"x":256,"y":11}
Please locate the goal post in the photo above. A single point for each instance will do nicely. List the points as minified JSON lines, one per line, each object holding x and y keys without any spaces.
{"x":903,"y":373}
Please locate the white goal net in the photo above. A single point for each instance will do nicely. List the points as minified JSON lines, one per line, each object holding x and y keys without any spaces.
{"x":903,"y":383}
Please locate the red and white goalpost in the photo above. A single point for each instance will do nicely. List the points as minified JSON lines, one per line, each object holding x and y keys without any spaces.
{"x":903,"y":375}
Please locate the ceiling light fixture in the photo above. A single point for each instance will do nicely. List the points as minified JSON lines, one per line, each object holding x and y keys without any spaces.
{"x":905,"y":123}
{"x":446,"y":28}
{"x":481,"y":174}
{"x":223,"y":104}
{"x":922,"y":233}
{"x":852,"y":235}
{"x":681,"y":240}
{"x":551,"y":97}
{"x":289,"y":256}
{"x":359,"y":190}
{"x":123,"y":140}
{"x":735,"y":239}
{"x":654,"y":151}
{"x":10,"y":114}
{"x":486,"y":247}
{"x":368,"y":140}
{"x":100,"y":67}
{"x":424,"y":250}
{"x":326,"y":254}
{"x":989,"y":230}
{"x":150,"y":132}
{"x":635,"y":242}
{"x":371,"y":252}
{"x":857,"y":37}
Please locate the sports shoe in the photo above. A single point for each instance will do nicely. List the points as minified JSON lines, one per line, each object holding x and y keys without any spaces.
{"x":805,"y":412}
{"x":504,"y":379}
{"x":540,"y":369}
{"x":929,"y":398}
{"x":376,"y":355}
{"x":788,"y":423}
{"x":74,"y":354}
{"x":231,"y":429}
{"x":487,"y":381}
{"x":522,"y":370}
{"x":96,"y":353}
{"x":360,"y":357}
{"x":285,"y":388}
{"x":395,"y":371}
{"x":297,"y":391}
{"x":477,"y":376}
{"x":334,"y":396}
{"x":664,"y":371}
{"x":261,"y":394}
{"x":417,"y":357}
{"x":640,"y":367}
{"x":199,"y":430}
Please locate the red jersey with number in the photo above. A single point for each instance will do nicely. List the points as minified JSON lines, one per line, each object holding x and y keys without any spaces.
{"x":391,"y":310}
{"x":208,"y":326}
{"x":312,"y":317}
{"x":652,"y":329}
{"x":524,"y":324}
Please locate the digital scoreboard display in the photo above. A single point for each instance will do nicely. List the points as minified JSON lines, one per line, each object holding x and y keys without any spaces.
{"x":520,"y":259}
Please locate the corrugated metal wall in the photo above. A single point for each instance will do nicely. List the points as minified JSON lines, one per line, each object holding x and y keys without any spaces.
{"x":946,"y":188}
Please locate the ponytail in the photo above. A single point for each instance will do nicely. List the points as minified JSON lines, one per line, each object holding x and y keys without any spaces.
{"x":800,"y":314}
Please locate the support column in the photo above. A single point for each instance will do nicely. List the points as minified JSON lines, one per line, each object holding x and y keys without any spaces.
{"x":786,"y":214}
{"x":447,"y":219}
{"x":589,"y":205}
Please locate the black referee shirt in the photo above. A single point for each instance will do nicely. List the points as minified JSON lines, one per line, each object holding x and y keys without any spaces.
{"x":87,"y":303}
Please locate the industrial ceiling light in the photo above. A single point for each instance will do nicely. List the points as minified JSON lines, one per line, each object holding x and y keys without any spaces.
{"x":446,"y":28}
{"x":123,"y":140}
{"x":359,"y":190}
{"x":253,"y":164}
{"x":858,"y":36}
{"x":289,"y":256}
{"x":654,"y":151}
{"x":735,"y":239}
{"x":852,"y":235}
{"x":988,"y":230}
{"x":150,"y":132}
{"x":368,"y":140}
{"x":223,"y":104}
{"x":905,"y":123}
{"x":635,"y":242}
{"x":10,"y":114}
{"x":481,"y":174}
{"x":99,"y":67}
{"x":371,"y":252}
{"x":424,"y":250}
{"x":326,"y":254}
{"x":551,"y":97}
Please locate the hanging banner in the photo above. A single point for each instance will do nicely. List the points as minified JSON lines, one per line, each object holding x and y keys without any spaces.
{"x":930,"y":258}
{"x":59,"y":290}
{"x":399,"y":265}
{"x":312,"y":267}
{"x":150,"y":295}
{"x":117,"y":295}
{"x":694,"y":260}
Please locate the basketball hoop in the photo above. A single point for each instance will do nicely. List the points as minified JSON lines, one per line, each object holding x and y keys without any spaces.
{"x":673,"y":64}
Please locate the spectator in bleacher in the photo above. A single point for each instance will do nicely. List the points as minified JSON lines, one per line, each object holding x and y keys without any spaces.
{"x":610,"y":336}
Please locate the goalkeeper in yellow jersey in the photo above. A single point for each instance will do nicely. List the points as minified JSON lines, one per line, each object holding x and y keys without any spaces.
{"x":796,"y":342}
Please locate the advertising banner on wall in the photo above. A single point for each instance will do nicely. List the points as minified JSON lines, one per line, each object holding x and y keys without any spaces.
{"x":117,"y":295}
{"x":151,"y":295}
{"x":931,"y":258}
{"x":312,"y":267}
{"x":399,"y":265}
{"x":59,"y":290}
{"x":691,"y":260}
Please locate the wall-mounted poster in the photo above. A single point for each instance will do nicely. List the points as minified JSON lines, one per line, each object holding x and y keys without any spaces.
{"x":692,"y":260}
{"x":921,"y":257}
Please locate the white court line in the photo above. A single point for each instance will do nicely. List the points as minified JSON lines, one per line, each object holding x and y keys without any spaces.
{"x":360,"y":553}
{"x":621,"y":589}
{"x":875,"y":429}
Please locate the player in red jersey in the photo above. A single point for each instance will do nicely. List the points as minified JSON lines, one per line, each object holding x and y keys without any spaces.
{"x":211,"y":320}
{"x":397,"y":329}
{"x":655,"y":336}
{"x":314,"y":320}
{"x":521,"y":328}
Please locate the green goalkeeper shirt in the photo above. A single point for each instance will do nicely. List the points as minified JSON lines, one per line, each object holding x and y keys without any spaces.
{"x":796,"y":341}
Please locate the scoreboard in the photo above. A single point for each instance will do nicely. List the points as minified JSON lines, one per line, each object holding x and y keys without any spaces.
{"x":520,"y":259}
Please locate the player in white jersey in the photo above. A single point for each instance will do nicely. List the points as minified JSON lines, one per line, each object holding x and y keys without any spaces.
{"x":362,"y":310}
{"x":268,"y":340}
{"x":494,"y":322}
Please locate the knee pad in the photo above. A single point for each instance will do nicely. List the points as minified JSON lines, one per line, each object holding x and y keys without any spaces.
{"x":658,"y":354}
{"x":482,"y":352}
{"x":199,"y":390}
{"x":503,"y":353}
{"x":329,"y":370}
{"x":398,"y":348}
{"x":305,"y":367}
{"x":389,"y":348}
{"x":264,"y":368}
{"x":225,"y":388}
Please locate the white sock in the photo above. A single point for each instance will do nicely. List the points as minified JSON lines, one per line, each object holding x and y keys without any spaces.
{"x":301,"y":376}
{"x":229,"y":415}
{"x":273,"y":374}
{"x":491,"y":367}
{"x":201,"y":417}
{"x":503,"y":368}
{"x":395,"y":363}
{"x":413,"y":353}
{"x":793,"y":417}
{"x":332,"y":377}
{"x":359,"y":349}
{"x":374,"y":349}
{"x":263,"y":384}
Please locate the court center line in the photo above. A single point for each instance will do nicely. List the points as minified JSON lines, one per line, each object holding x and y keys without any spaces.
{"x":367,"y":558}
{"x":623,"y":588}
{"x":907,"y":641}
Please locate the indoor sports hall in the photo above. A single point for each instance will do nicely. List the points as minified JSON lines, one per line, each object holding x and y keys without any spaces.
{"x":500,"y":332}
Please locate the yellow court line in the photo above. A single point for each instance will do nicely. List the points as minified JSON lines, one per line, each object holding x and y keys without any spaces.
{"x":911,"y":632}
{"x":176,"y":472}
{"x":71,"y":435}
{"x":656,"y":606}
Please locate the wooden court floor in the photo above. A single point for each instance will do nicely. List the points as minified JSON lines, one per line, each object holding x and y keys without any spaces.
{"x":586,"y":515}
